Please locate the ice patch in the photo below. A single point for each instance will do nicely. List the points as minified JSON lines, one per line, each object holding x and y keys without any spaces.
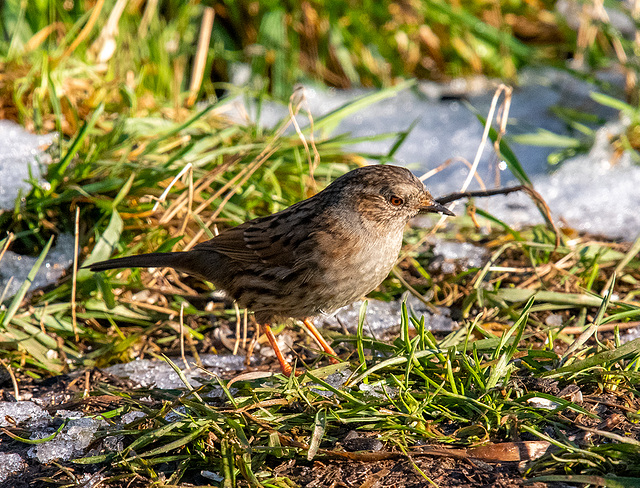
{"x":20,"y":153}
{"x":382,"y":316}
{"x":452,"y":257}
{"x":631,"y":335}
{"x":445,"y":127}
{"x":10,"y":464}
{"x":378,"y":390}
{"x":216,"y":477}
{"x":17,"y":266}
{"x":589,"y":192}
{"x":579,"y":191}
{"x":336,"y":380}
{"x":70,"y":443}
{"x":19,"y":413}
{"x":132,"y":416}
{"x":160,"y":374}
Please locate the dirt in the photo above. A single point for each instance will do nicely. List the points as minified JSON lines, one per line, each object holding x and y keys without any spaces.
{"x":406,"y":473}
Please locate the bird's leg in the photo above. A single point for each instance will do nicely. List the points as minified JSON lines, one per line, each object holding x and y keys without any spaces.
{"x":286,"y":367}
{"x":323,"y":344}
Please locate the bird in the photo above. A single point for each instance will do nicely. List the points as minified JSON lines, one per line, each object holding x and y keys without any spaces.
{"x":311,"y":258}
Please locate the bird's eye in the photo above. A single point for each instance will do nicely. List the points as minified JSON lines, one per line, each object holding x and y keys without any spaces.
{"x":396,"y":201}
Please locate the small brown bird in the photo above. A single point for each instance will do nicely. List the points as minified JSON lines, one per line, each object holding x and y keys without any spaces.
{"x":311,"y":258}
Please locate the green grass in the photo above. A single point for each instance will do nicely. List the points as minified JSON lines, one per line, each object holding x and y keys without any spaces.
{"x":469,"y":389}
{"x":338,"y":43}
{"x":334,"y":42}
{"x":448,"y":392}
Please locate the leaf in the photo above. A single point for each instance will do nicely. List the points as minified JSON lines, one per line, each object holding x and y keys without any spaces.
{"x":631,"y":347}
{"x":319,"y":427}
{"x":609,"y":101}
{"x":574,"y":299}
{"x":56,"y":171}
{"x":37,"y":441}
{"x":546,"y":138}
{"x":169,"y":446}
{"x":592,"y":480}
{"x":104,"y":247}
{"x":17,"y":299}
{"x":329,"y":121}
{"x":500,"y":372}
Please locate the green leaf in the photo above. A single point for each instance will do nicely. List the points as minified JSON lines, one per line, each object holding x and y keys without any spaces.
{"x":38,"y":441}
{"x":631,"y":347}
{"x":22,"y":291}
{"x":591,"y":480}
{"x":331,"y":120}
{"x":360,"y":334}
{"x":169,"y":446}
{"x":546,"y":138}
{"x":609,"y":101}
{"x":105,"y":246}
{"x":319,"y":427}
{"x":56,"y":171}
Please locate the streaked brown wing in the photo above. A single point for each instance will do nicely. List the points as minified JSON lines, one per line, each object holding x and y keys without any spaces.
{"x":231,"y":243}
{"x":269,"y":240}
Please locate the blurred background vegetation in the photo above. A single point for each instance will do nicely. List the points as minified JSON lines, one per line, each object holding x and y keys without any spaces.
{"x":139,"y":52}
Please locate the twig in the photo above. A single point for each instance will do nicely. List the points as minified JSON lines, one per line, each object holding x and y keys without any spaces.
{"x":16,"y":391}
{"x":6,"y":289}
{"x":472,"y":171}
{"x":201,"y":54}
{"x":297,"y":100}
{"x":200,"y":185}
{"x":163,"y":197}
{"x":535,"y":196}
{"x":87,"y":384}
{"x":252,"y":344}
{"x":252,"y":168}
{"x":602,"y":328}
{"x":105,"y":45}
{"x":480,"y":193}
{"x":74,"y":281}
{"x":190,"y":202}
{"x":147,"y":15}
{"x":412,"y":290}
{"x":485,"y":136}
{"x":270,"y":148}
{"x":244,"y":329}
{"x":184,"y":359}
{"x":88,"y":27}
{"x":6,"y":245}
{"x":39,"y":37}
{"x":449,"y":162}
{"x":633,"y":251}
{"x":237,"y":343}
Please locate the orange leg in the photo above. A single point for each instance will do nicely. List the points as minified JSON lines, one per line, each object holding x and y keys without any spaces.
{"x":286,"y":367}
{"x":323,"y":344}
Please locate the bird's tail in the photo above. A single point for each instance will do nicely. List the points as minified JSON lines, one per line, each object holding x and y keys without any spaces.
{"x":174,"y":260}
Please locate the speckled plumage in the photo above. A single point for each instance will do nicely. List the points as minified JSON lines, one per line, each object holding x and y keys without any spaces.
{"x":313,"y":257}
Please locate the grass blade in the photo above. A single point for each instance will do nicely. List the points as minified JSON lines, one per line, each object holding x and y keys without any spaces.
{"x":104,"y":247}
{"x":22,"y":291}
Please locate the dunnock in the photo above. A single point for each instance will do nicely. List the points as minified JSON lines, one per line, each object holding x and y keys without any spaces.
{"x":311,"y":258}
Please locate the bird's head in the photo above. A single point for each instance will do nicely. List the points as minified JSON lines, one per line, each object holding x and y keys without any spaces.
{"x":385,"y":195}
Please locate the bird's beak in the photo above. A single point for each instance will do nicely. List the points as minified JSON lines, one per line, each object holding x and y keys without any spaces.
{"x":432,"y":206}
